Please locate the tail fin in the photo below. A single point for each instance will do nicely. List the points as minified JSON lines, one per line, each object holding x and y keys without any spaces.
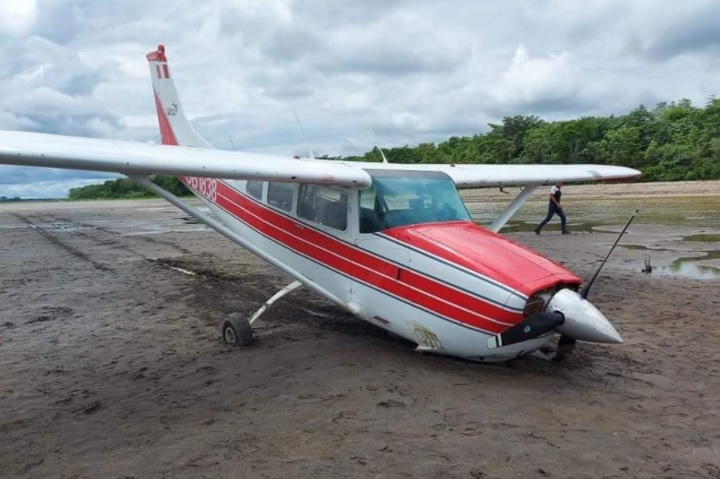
{"x":175,"y":129}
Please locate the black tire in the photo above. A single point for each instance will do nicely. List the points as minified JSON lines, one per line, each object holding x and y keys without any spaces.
{"x":236,"y":331}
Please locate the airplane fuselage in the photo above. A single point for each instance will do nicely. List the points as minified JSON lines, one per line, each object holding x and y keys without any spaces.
{"x":447,"y":286}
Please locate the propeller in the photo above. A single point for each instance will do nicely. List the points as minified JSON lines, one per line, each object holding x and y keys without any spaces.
{"x":529,"y":328}
{"x":568,"y":313}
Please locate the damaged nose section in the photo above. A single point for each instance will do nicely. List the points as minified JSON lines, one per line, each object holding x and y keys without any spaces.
{"x":568,"y":314}
{"x":583,"y":321}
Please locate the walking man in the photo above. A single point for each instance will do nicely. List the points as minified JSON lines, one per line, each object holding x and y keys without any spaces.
{"x":554,"y":208}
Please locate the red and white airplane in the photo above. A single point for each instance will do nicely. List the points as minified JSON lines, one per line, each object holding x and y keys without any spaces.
{"x":392,"y":244}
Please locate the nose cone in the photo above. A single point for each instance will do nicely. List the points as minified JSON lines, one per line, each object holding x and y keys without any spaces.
{"x":583,"y":321}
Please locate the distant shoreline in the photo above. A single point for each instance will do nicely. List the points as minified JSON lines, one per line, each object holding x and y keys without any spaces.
{"x":32,"y":200}
{"x":584,"y":192}
{"x":605,"y":190}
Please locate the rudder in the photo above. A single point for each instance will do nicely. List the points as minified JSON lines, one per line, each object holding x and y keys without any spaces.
{"x":175,"y":129}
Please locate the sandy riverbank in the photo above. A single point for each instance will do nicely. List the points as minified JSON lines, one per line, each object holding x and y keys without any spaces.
{"x":615,"y":190}
{"x":111,"y":366}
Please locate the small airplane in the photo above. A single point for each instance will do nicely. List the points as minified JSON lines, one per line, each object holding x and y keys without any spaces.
{"x":393,"y":244}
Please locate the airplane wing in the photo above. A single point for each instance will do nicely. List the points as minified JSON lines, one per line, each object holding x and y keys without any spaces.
{"x":132,"y":158}
{"x":502,"y":175}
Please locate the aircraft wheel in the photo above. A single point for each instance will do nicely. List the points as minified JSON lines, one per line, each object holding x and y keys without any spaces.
{"x":236,"y":330}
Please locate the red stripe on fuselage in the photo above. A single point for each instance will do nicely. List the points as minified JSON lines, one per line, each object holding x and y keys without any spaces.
{"x":357,"y":264}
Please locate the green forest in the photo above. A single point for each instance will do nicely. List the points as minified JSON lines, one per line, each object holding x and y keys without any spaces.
{"x":127,"y":189}
{"x":672,"y":142}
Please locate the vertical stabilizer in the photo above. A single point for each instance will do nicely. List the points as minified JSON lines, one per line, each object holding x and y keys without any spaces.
{"x":175,"y":128}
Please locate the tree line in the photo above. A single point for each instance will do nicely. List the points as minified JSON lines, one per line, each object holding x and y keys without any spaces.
{"x":125,"y":188}
{"x":672,"y":142}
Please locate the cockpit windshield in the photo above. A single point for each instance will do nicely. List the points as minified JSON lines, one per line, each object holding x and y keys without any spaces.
{"x":401,"y":198}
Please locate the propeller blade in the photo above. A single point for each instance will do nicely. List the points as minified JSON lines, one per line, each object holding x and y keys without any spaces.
{"x":586,"y":288}
{"x":529,"y":328}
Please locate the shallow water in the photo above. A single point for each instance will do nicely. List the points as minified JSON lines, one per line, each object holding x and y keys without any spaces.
{"x":610,"y":214}
{"x":689,"y":268}
{"x":701,"y":211}
{"x":684,"y":265}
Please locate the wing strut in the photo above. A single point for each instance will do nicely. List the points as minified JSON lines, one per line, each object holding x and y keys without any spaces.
{"x":353,"y":308}
{"x":519,"y":200}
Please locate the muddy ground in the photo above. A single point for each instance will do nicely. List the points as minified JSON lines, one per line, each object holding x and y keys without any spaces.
{"x":111,"y":366}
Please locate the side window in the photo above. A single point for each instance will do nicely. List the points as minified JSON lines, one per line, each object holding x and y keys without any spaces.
{"x":279,"y":195}
{"x":324,"y":206}
{"x":254,"y":189}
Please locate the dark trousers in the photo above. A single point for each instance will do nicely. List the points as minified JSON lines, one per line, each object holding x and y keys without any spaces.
{"x":552,"y":210}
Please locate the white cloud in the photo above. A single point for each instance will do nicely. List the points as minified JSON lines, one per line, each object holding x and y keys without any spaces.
{"x":17,"y":16}
{"x":47,"y":189}
{"x":48,"y":102}
{"x":529,"y":81}
{"x":389,"y":72}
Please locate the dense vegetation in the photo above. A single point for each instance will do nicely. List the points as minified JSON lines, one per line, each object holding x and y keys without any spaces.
{"x":126,"y":188}
{"x":674,"y":141}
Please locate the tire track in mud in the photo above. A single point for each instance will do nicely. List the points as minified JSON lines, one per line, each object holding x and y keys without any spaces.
{"x":108,"y":231}
{"x":70,"y":227}
{"x":216,"y":293}
{"x":61,"y":244}
{"x":302,"y":315}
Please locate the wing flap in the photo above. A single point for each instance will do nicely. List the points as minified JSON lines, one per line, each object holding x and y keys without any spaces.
{"x":131,"y":158}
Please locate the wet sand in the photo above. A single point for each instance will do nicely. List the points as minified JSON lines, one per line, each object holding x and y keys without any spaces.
{"x":111,"y":365}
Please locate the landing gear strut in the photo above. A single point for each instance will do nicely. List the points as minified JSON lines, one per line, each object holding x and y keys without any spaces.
{"x":564,"y":349}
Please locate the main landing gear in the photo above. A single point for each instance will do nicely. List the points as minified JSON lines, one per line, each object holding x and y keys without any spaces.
{"x":237,"y":330}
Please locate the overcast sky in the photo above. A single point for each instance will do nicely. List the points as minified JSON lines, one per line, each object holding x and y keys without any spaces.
{"x":358,"y":73}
